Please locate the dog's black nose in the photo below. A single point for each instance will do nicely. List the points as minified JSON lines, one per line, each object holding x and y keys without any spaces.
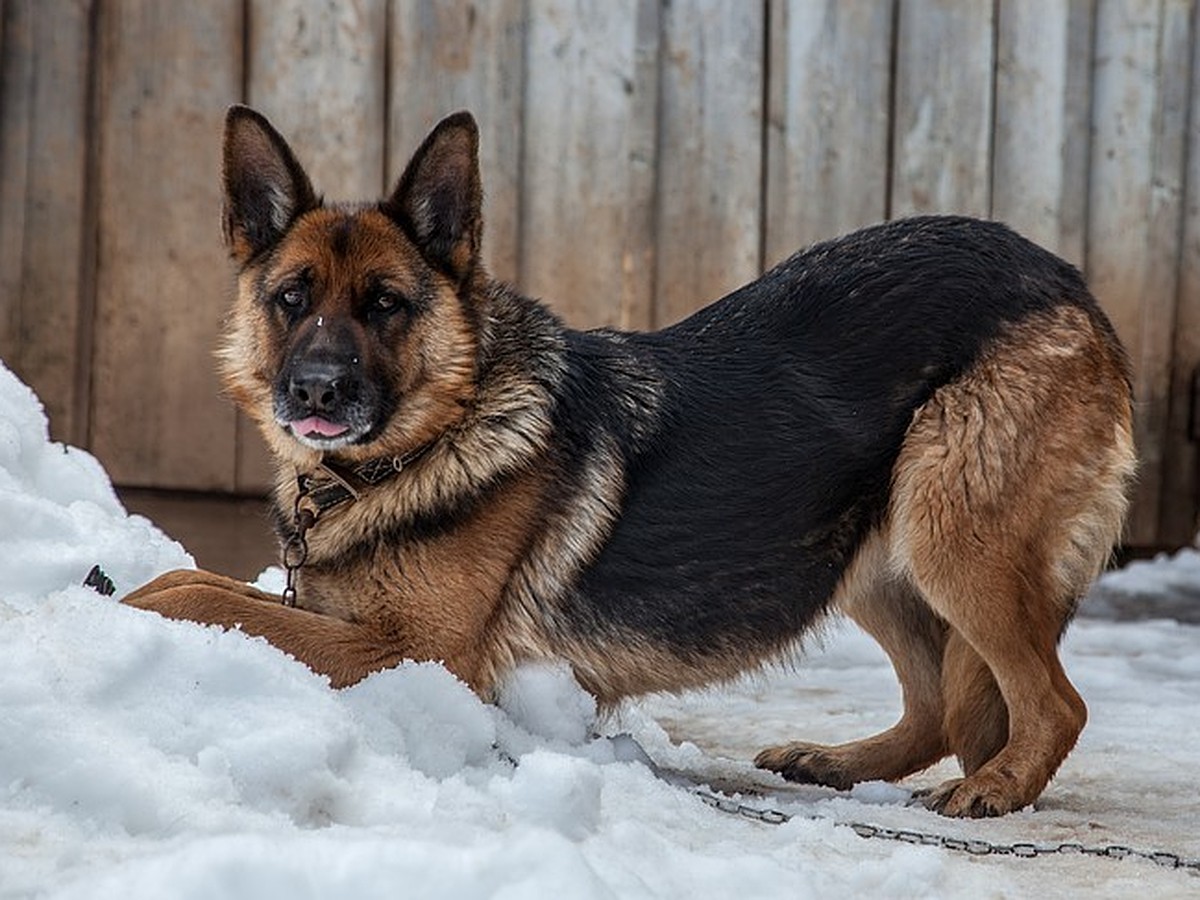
{"x":318,"y":386}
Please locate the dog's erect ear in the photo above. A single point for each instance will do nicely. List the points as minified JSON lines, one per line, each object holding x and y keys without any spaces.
{"x":439,"y":200}
{"x":265,"y":188}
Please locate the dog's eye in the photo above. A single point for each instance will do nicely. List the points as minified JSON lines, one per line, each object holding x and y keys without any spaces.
{"x":385,"y":303}
{"x":292,"y":298}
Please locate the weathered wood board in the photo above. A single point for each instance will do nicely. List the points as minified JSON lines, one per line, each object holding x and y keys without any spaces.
{"x":166,"y":73}
{"x":590,"y":149}
{"x":1039,"y":159}
{"x":709,"y":184}
{"x":828,"y":121}
{"x":1181,"y":466}
{"x":941,"y":146}
{"x":1139,"y":121}
{"x":450,"y":55}
{"x":45,"y":241}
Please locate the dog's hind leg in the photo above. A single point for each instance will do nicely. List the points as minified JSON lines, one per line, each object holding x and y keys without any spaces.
{"x":888,"y":609}
{"x":976,"y":717}
{"x":1044,"y":714}
{"x":1008,"y":495}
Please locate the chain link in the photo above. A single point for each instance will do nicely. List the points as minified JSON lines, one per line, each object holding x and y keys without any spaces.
{"x":976,"y":847}
{"x":295,"y":551}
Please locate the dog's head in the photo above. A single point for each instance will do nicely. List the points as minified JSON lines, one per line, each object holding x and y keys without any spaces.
{"x":355,"y":328}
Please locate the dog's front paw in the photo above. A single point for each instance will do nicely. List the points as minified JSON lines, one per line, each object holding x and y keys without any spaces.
{"x":143,"y":597}
{"x":806,"y":764}
{"x":187,"y":593}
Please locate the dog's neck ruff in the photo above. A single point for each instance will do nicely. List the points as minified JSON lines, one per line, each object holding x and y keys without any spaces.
{"x":327,"y":487}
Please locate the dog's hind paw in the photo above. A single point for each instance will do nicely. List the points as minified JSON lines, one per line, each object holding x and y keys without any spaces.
{"x":806,"y":764}
{"x":972,"y":798}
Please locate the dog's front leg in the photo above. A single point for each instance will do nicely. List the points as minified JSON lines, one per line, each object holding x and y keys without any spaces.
{"x":346,"y":652}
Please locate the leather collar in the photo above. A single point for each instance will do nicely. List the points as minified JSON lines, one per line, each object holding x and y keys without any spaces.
{"x":332,"y":484}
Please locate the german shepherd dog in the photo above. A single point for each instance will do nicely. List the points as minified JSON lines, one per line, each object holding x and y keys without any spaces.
{"x":925,"y":425}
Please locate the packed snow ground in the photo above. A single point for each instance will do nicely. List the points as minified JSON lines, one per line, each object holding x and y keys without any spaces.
{"x":142,"y":758}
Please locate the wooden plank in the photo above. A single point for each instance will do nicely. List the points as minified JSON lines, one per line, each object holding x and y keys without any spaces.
{"x":1139,"y":126}
{"x":42,"y":202}
{"x":449,"y":55}
{"x":710,"y":177}
{"x":1181,"y":462}
{"x":16,"y":72}
{"x":828,"y":120}
{"x":1176,"y":515}
{"x":317,"y":70}
{"x":1042,"y":131}
{"x":941,"y":148}
{"x":587,"y":240}
{"x":166,"y":74}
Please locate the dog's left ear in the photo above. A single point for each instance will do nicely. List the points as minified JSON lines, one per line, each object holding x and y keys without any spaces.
{"x":439,"y":199}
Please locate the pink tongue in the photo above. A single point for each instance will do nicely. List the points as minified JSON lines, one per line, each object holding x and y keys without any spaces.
{"x":316,"y":425}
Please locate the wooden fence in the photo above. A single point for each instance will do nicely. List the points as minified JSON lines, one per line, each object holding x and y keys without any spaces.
{"x":640,"y":158}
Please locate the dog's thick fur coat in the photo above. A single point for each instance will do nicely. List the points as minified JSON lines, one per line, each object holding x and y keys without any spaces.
{"x":925,"y":425}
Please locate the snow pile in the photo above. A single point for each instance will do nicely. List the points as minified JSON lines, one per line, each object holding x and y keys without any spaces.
{"x":58,"y":513}
{"x":146,"y":758}
{"x":1165,"y":587}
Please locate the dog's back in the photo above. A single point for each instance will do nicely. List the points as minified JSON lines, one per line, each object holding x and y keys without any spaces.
{"x":782,"y":410}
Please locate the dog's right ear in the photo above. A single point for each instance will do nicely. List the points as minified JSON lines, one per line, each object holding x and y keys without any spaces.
{"x":265,"y":187}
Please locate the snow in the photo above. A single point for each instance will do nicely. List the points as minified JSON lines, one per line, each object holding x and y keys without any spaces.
{"x":146,"y":758}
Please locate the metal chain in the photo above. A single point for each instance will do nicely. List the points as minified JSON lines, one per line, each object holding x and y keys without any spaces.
{"x":1022,"y":849}
{"x":295,"y":551}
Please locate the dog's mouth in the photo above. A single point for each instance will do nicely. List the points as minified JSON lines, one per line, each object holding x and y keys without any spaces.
{"x":328,"y":426}
{"x":319,"y":433}
{"x":315,"y":428}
